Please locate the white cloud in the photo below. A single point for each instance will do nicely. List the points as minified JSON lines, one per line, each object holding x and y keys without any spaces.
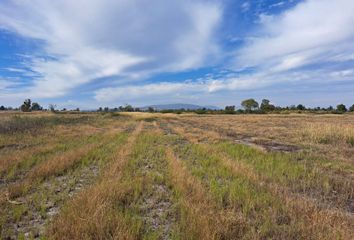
{"x":229,"y":85}
{"x":5,"y":84}
{"x":128,"y":41}
{"x":315,"y":30}
{"x":279,"y":4}
{"x":82,"y":66}
{"x":16,"y":70}
{"x":245,"y":6}
{"x":137,"y":92}
{"x":290,"y":62}
{"x":88,"y":40}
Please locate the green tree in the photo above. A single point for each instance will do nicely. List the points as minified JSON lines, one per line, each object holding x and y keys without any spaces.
{"x":266,"y":106}
{"x":36,"y":107}
{"x":126,"y":108}
{"x":292,"y":107}
{"x":250,"y":104}
{"x":200,"y":111}
{"x":341,"y":108}
{"x":301,"y":107}
{"x":351,"y":109}
{"x":2,"y":108}
{"x":26,"y":106}
{"x":52,"y":107}
{"x":230,"y":109}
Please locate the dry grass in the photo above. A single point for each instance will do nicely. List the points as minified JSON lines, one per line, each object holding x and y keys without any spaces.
{"x":329,"y":133}
{"x":54,"y":166}
{"x":92,"y":215}
{"x":319,"y":220}
{"x":165,"y":176}
{"x":202,"y":218}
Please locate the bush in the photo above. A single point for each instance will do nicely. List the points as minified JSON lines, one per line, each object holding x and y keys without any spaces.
{"x":341,"y":108}
{"x":351,"y":109}
{"x":26,"y":106}
{"x":230,"y":109}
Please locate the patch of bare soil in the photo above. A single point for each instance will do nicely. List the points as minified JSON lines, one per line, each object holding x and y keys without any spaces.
{"x":129,"y":128}
{"x":265,"y":145}
{"x":157,"y":208}
{"x":166,"y":129}
{"x":158,"y":211}
{"x":15,"y":146}
{"x":43,"y":203}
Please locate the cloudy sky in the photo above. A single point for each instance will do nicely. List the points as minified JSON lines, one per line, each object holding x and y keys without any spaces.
{"x":210,"y":52}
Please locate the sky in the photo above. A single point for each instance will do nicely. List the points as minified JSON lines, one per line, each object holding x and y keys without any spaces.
{"x":209,"y":52}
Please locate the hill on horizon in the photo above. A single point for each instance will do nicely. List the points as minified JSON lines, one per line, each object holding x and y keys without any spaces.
{"x":176,"y":106}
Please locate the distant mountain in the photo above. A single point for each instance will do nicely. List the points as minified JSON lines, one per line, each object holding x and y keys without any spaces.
{"x":179,"y":106}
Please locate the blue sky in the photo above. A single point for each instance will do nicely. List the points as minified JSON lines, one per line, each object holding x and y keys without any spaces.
{"x":210,"y":52}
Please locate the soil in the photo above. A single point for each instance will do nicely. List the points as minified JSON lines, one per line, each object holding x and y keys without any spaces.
{"x":54,"y":193}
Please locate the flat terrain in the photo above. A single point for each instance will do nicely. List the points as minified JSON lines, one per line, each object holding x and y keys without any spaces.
{"x":167,"y":176}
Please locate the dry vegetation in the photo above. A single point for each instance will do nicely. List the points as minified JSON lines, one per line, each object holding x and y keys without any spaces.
{"x":166,"y":176}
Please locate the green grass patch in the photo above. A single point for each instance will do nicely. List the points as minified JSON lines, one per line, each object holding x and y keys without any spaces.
{"x":301,"y":172}
{"x":237,"y":192}
{"x":63,"y":145}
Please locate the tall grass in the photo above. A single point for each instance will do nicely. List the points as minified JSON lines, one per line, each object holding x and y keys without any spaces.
{"x":329,"y":133}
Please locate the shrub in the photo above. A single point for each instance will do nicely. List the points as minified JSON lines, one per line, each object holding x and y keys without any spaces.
{"x":26,"y":106}
{"x":341,"y":108}
{"x":230,"y":109}
{"x":351,"y":109}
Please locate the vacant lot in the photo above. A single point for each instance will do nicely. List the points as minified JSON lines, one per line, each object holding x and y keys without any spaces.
{"x":155,"y":176}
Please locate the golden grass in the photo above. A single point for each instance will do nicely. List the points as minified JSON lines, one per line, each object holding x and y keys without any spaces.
{"x":16,"y":157}
{"x":321,"y":223}
{"x":53,"y":166}
{"x":91,"y":214}
{"x":329,"y":133}
{"x":34,"y":146}
{"x":211,"y":187}
{"x":202,"y":217}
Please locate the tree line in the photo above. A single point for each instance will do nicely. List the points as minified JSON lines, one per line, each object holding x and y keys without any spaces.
{"x":252,"y":106}
{"x":248,"y":106}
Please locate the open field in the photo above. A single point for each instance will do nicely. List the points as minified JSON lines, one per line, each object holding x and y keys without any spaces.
{"x":167,"y":176}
